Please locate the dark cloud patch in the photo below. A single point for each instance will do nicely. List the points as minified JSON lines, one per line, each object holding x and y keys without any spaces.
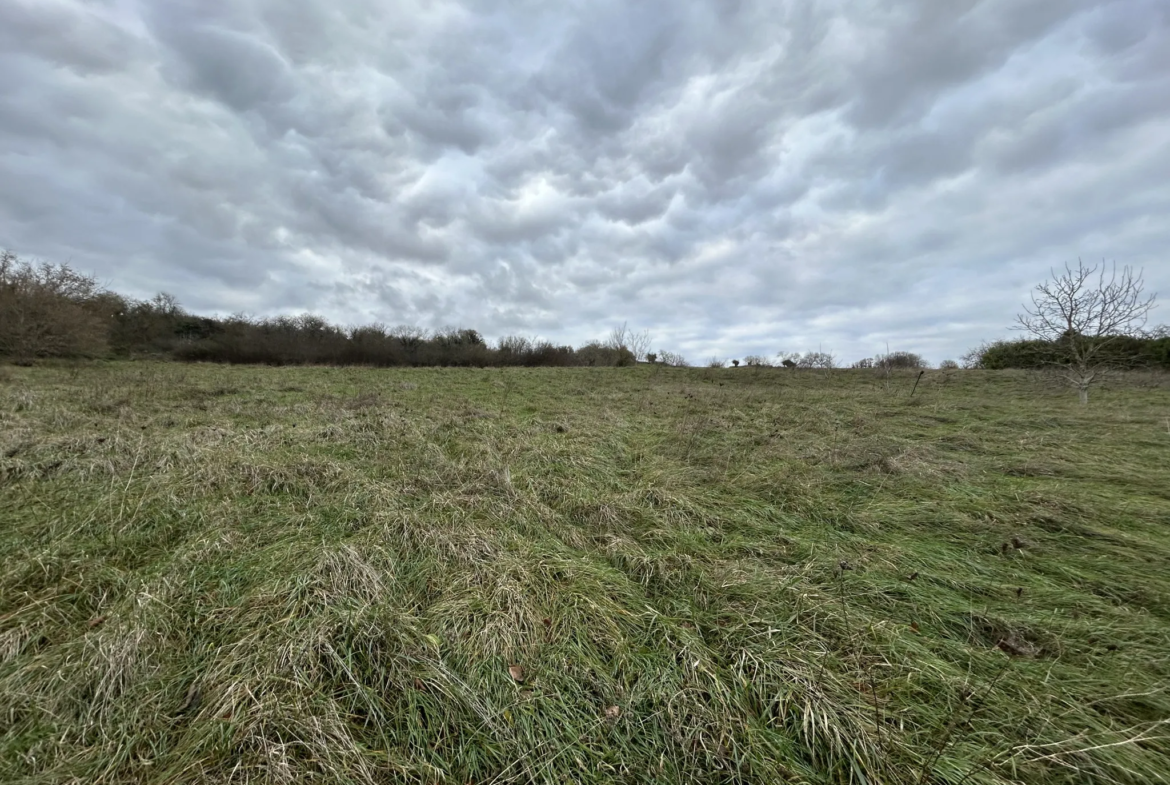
{"x":737,"y":177}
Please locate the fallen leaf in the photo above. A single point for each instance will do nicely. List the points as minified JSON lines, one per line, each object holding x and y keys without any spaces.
{"x":547,"y":622}
{"x":418,"y":685}
{"x":516,"y":672}
{"x":913,"y":576}
{"x":613,"y":712}
{"x":914,"y":626}
{"x":96,"y":621}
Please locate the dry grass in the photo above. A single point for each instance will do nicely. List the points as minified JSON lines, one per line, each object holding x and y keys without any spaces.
{"x":589,"y":575}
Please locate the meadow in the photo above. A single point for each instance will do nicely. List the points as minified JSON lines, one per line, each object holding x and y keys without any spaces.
{"x":341,"y":575}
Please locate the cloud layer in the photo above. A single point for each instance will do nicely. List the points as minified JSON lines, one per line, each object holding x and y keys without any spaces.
{"x":736,"y":177}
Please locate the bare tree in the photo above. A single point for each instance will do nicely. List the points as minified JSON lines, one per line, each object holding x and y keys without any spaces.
{"x":623,"y":337}
{"x":619,"y":337}
{"x":1082,"y":313}
{"x":824,"y":361}
{"x":640,"y":344}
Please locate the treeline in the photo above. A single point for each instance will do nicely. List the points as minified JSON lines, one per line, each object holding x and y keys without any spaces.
{"x":53,"y":311}
{"x":1122,"y":351}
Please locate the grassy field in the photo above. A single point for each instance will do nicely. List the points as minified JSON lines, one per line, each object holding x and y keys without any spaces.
{"x":213,"y":574}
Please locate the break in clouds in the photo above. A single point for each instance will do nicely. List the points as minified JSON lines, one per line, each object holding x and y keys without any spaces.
{"x":736,"y":177}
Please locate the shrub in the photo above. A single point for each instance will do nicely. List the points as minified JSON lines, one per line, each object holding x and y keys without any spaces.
{"x":756,"y":361}
{"x":948,"y":365}
{"x":674,"y":360}
{"x":1121,"y":352}
{"x":51,"y":311}
{"x":900,"y":360}
{"x":595,"y":353}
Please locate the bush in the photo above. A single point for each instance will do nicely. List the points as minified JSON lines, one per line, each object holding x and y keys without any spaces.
{"x":756,"y":361}
{"x":1121,"y":352}
{"x":900,"y":360}
{"x":674,"y":359}
{"x":948,"y":365}
{"x":51,"y":311}
{"x":598,"y":354}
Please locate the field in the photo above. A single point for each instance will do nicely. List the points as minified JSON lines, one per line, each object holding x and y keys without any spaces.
{"x":217,"y":574}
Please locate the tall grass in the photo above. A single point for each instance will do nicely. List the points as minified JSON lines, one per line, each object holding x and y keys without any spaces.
{"x":579,"y":575}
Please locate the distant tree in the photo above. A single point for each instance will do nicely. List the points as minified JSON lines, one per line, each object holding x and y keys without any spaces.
{"x":651,"y":358}
{"x":715,"y":362}
{"x":756,"y":361}
{"x":640,"y":344}
{"x":735,"y":363}
{"x":625,"y":338}
{"x":674,"y":359}
{"x":1083,"y":313}
{"x":864,"y":363}
{"x":948,"y":365}
{"x":820,"y":360}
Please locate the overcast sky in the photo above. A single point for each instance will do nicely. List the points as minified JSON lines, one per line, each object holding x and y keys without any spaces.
{"x":736,"y":177}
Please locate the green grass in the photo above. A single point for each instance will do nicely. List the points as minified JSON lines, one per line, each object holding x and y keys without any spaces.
{"x":213,"y":574}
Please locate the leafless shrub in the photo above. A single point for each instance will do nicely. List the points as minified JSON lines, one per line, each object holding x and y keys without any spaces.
{"x":756,"y":361}
{"x":50,"y":311}
{"x":972,"y":359}
{"x":673,"y":359}
{"x":716,"y":362}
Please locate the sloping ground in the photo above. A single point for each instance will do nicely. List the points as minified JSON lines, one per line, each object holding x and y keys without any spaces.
{"x":582,"y":575}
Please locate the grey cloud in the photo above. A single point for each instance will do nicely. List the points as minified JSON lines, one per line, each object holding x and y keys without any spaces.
{"x":737,"y":177}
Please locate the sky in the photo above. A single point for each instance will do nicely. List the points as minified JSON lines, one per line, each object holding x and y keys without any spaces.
{"x":734,"y":177}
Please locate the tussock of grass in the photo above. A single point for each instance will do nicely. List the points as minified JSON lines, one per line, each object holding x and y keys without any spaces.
{"x":593,"y":575}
